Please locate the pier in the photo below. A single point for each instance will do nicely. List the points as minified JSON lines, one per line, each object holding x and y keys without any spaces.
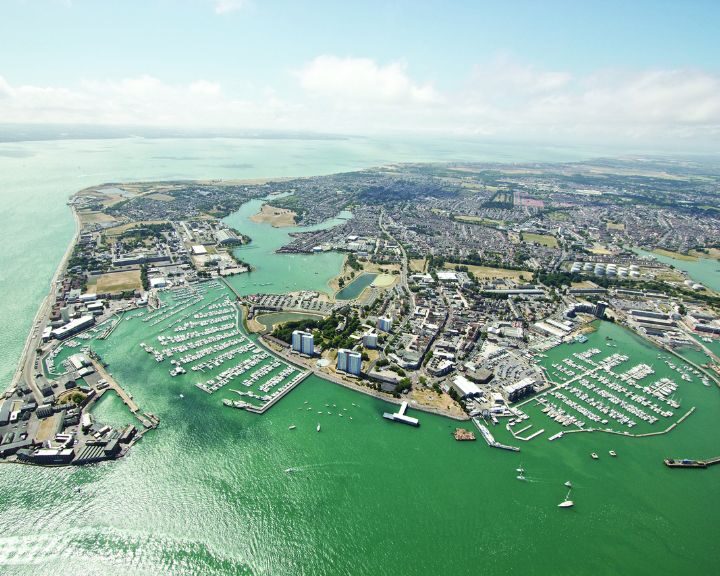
{"x":490,"y":439}
{"x":400,"y":416}
{"x":148,"y":420}
{"x":265,"y":407}
{"x":687,"y":463}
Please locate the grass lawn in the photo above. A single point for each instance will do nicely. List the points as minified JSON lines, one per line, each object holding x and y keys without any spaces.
{"x":542,"y":239}
{"x":88,"y":217}
{"x":118,"y":282}
{"x":417,"y":265}
{"x":559,"y":216}
{"x":117,"y":230}
{"x":384,"y":280}
{"x":599,"y":249}
{"x":489,"y":273}
{"x":676,"y":255}
{"x":479,"y":220}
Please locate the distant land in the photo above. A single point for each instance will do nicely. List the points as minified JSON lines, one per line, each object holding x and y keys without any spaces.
{"x":31,"y":132}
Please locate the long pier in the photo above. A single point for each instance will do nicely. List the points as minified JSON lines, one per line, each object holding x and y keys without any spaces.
{"x":265,"y":407}
{"x":147,"y":420}
{"x":490,"y":439}
{"x":687,"y":463}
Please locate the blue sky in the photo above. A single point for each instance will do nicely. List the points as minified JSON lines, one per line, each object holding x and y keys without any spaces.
{"x":516,"y":68}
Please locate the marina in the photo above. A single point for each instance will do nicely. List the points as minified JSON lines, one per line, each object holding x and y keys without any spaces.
{"x":598,"y":389}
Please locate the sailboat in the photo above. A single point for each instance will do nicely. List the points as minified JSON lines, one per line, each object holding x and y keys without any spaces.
{"x":318,"y":427}
{"x":567,"y":503}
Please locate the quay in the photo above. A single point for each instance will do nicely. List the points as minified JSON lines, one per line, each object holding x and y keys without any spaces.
{"x":490,"y":439}
{"x":147,"y":420}
{"x":400,"y":416}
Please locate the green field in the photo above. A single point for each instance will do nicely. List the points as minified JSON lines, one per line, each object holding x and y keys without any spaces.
{"x":542,"y":239}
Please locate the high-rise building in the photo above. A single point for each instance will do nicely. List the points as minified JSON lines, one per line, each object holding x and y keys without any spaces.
{"x":303,"y":342}
{"x":384,"y":323}
{"x":308,"y":344}
{"x":349,"y":361}
{"x":600,"y":308}
{"x":370,"y":340}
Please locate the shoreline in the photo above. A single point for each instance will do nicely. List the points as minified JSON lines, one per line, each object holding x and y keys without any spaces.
{"x":42,"y":309}
{"x":357,"y":387}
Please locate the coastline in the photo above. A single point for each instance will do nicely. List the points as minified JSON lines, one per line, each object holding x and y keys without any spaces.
{"x":356,"y":387}
{"x":47,"y":300}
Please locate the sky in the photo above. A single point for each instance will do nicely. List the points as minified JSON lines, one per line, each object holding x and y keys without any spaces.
{"x":644,"y":72}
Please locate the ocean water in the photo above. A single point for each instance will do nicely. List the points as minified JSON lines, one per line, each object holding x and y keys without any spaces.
{"x":206,"y":493}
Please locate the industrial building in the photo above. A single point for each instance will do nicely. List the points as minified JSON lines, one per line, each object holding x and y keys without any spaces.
{"x":73,"y":327}
{"x":465,"y":388}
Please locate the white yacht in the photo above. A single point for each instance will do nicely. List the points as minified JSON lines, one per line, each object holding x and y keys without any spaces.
{"x":567,"y":503}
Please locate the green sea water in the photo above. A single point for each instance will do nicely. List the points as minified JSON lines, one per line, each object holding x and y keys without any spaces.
{"x":206,"y":493}
{"x":706,"y":271}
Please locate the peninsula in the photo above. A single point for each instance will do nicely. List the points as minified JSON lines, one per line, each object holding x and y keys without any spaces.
{"x":456,"y":282}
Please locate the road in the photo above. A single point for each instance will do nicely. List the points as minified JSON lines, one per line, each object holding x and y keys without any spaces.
{"x":26,"y":367}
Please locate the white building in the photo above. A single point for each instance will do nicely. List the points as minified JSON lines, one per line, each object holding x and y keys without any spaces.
{"x":384,"y":323}
{"x":303,"y":342}
{"x":349,"y":361}
{"x":159,"y":282}
{"x":465,"y":388}
{"x":370,"y":340}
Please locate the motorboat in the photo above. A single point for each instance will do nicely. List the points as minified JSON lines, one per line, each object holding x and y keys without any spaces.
{"x":612,"y":453}
{"x":594,"y":456}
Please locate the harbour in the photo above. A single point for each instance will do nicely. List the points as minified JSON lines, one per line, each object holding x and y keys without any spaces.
{"x":207,"y":466}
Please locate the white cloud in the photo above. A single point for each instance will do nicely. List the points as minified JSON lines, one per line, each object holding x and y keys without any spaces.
{"x":358,"y":95}
{"x":227,"y":6}
{"x":361,"y":80}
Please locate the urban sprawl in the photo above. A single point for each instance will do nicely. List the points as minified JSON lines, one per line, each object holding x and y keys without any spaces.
{"x":457,"y":279}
